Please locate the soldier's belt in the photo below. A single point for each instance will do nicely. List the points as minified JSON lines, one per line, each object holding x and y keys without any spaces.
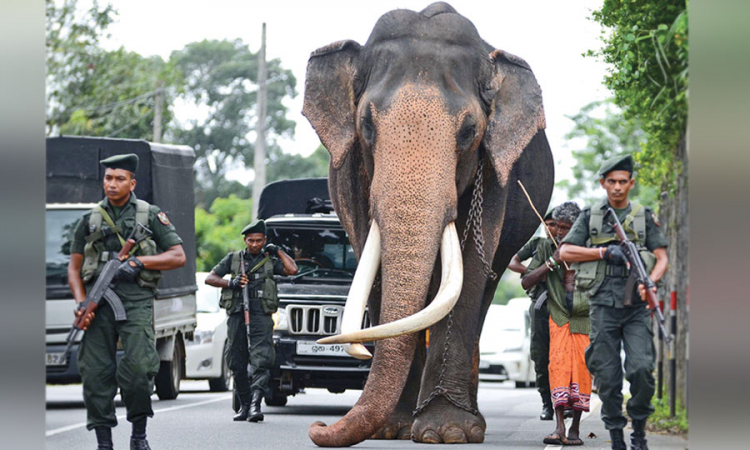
{"x":616,"y":271}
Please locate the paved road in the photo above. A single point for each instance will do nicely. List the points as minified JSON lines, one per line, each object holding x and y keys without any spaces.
{"x":199,"y":419}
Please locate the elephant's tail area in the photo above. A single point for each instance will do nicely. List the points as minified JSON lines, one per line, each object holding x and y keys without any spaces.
{"x":390,"y":368}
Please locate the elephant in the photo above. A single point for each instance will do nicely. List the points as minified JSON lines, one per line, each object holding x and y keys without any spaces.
{"x":429,"y":130}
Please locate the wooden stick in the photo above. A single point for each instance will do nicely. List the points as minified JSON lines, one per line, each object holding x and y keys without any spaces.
{"x":541,"y":219}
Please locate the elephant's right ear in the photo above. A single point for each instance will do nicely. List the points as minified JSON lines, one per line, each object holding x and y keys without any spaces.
{"x":329,"y":97}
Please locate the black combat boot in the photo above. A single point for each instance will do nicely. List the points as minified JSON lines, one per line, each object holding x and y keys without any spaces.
{"x":547,"y":412}
{"x":103,"y":438}
{"x":138,"y":437}
{"x":618,"y":441}
{"x":638,"y":436}
{"x":255,"y":414}
{"x":243,"y":413}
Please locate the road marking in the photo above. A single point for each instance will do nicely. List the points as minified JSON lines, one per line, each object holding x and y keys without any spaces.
{"x":595,"y":402}
{"x":123,"y":416}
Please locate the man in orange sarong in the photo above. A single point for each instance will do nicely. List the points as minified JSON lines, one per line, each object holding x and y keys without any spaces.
{"x":569,"y":327}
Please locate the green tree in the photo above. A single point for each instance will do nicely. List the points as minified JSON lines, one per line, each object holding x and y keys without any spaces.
{"x":599,"y":132}
{"x":95,"y":92}
{"x":646,"y":44}
{"x":221,"y":78}
{"x":284,"y":166}
{"x":217,"y":231}
{"x":509,"y":287}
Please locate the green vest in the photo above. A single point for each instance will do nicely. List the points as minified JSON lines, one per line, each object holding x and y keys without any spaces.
{"x":94,"y":255}
{"x":268,"y":292}
{"x":590,"y":274}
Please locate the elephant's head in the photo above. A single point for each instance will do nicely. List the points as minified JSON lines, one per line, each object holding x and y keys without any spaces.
{"x":407,"y":118}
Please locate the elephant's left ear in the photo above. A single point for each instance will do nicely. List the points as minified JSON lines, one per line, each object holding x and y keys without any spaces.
{"x":516,"y":114}
{"x":329,"y":97}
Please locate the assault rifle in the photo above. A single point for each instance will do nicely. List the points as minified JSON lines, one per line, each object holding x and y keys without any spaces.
{"x":102,"y":289}
{"x":639,"y":270}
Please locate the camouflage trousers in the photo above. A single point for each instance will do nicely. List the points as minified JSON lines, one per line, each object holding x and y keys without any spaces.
{"x":260,"y":353}
{"x":630,"y":329}
{"x":539,"y":351}
{"x":101,"y":374}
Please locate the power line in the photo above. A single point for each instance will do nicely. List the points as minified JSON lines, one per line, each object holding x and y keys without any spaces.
{"x":137,"y":119}
{"x":113,"y":104}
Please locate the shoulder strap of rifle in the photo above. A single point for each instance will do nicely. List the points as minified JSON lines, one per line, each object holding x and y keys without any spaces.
{"x":111,"y":223}
{"x":260,"y":264}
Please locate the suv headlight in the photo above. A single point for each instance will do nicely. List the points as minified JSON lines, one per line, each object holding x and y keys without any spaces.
{"x":279,"y":320}
{"x":201,"y":337}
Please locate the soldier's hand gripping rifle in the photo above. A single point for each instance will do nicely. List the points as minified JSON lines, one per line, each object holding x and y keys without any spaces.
{"x":639,"y":270}
{"x":102,"y":289}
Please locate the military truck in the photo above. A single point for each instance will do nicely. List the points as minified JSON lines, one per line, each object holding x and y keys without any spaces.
{"x":74,"y":186}
{"x":300,"y":218}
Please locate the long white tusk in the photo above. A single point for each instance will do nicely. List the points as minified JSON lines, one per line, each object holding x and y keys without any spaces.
{"x":354,"y":310}
{"x":447,"y":296}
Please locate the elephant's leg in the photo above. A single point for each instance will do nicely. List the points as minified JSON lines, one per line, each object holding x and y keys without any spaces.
{"x":447,"y":410}
{"x":400,"y":422}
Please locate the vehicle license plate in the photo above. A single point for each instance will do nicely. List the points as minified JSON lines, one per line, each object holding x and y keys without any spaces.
{"x":312,"y":348}
{"x":55,"y":359}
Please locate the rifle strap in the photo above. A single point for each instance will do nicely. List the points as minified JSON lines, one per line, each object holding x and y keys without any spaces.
{"x":260,"y":264}
{"x":110,"y":222}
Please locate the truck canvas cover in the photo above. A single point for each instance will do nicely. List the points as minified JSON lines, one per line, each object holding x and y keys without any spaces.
{"x":300,"y":196}
{"x":164,"y":178}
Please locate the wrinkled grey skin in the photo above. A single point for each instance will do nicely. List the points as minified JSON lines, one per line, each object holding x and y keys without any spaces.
{"x":407,"y":118}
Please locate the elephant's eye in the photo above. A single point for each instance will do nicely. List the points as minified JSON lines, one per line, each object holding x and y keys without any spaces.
{"x":365,"y":127}
{"x":466,"y":135}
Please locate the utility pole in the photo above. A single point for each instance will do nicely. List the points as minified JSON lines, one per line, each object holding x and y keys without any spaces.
{"x":158,"y":101}
{"x":259,"y":163}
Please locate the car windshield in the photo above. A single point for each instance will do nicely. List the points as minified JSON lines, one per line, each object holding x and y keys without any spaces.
{"x":59,"y":234}
{"x":321,"y":252}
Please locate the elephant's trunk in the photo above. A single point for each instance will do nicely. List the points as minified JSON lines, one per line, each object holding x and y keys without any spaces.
{"x":388,"y":373}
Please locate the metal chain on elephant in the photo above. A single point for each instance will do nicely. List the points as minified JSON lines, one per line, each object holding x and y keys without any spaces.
{"x":439,"y":389}
{"x":474,"y":220}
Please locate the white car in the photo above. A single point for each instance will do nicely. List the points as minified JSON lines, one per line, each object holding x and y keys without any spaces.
{"x":504,"y":346}
{"x":204,"y":355}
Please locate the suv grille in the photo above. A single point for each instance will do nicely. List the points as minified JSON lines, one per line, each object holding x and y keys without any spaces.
{"x":323,"y":320}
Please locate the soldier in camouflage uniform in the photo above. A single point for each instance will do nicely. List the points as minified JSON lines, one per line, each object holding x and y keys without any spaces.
{"x":260,"y":266}
{"x":98,"y":237}
{"x":602,"y":274}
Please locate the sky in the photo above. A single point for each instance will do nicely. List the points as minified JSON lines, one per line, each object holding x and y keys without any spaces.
{"x":551,"y":35}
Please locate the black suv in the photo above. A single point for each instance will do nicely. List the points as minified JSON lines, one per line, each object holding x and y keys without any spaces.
{"x":299,"y":217}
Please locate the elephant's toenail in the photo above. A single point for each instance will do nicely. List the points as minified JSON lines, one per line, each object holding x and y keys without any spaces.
{"x":454,"y":435}
{"x":476,"y":435}
{"x":428,"y":437}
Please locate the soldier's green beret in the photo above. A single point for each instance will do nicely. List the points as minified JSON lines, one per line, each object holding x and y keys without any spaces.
{"x":127,"y":162}
{"x":259,"y":226}
{"x":621,"y":162}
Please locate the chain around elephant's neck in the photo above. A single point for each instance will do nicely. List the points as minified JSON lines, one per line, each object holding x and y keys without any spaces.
{"x":474,"y":220}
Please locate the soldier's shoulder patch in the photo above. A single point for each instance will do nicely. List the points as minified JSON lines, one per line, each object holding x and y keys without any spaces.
{"x":656,"y":222}
{"x":162,"y":216}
